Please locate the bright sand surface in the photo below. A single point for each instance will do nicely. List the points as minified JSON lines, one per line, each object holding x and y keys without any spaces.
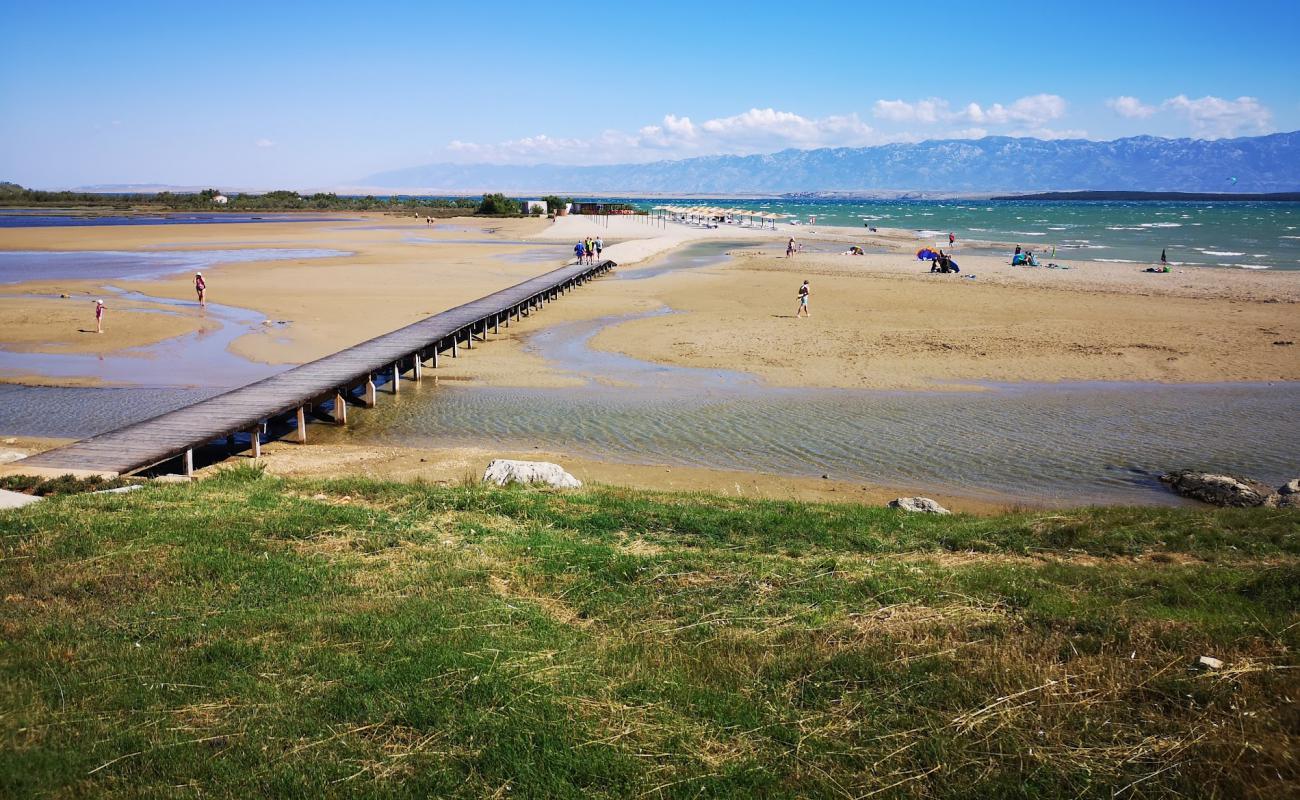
{"x":879,"y":320}
{"x":884,"y":321}
{"x":393,"y":277}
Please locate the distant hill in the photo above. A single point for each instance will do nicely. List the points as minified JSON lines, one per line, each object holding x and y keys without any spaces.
{"x":1288,"y":197}
{"x":995,"y":164}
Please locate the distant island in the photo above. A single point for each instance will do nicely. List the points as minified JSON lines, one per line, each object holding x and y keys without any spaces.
{"x":1290,"y":197}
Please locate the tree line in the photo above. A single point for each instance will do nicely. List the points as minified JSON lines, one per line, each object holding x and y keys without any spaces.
{"x":13,"y":195}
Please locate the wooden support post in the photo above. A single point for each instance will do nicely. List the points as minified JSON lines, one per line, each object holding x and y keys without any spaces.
{"x":454,"y":347}
{"x":255,"y":439}
{"x":397,"y":375}
{"x":435,"y":356}
{"x":416,"y":364}
{"x":496,"y":320}
{"x":340,"y":409}
{"x":302,"y":425}
{"x":371,"y":396}
{"x":187,"y":463}
{"x":469,"y":340}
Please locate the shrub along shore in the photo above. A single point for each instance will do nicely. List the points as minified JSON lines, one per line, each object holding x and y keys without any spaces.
{"x":252,"y":635}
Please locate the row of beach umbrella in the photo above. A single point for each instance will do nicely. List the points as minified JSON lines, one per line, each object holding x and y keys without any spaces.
{"x":708,"y":212}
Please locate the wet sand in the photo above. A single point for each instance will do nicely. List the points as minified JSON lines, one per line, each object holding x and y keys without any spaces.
{"x":395,"y":273}
{"x":460,"y":465}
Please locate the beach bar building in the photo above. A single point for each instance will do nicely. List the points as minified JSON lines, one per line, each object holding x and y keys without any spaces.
{"x":601,"y":207}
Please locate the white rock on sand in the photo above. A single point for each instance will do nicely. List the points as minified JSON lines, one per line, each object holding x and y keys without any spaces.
{"x":504,"y":471}
{"x":10,"y":456}
{"x":922,"y":505}
{"x":10,"y":499}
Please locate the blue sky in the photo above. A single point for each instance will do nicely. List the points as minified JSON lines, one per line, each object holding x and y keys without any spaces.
{"x":309,"y":95}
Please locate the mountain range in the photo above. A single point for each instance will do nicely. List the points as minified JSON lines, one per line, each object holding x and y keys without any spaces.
{"x":994,"y":164}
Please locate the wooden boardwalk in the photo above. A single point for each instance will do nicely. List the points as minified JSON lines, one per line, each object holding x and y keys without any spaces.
{"x":305,"y":392}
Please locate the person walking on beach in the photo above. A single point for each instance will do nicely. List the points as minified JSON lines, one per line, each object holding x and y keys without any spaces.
{"x":579,"y":250}
{"x":99,"y":316}
{"x":804,"y":292}
{"x":789,"y":249}
{"x":600,"y":245}
{"x":951,"y":239}
{"x":201,"y":289}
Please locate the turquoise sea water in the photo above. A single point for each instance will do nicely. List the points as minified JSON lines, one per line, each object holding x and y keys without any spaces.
{"x":1238,"y":235}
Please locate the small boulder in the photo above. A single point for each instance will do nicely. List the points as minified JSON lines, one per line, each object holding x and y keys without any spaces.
{"x":10,"y":456}
{"x":10,"y":499}
{"x":922,"y":505}
{"x":1290,"y":487}
{"x":1216,"y":489}
{"x":504,"y":471}
{"x":1209,"y":662}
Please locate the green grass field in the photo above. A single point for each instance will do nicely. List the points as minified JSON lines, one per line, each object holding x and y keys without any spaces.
{"x":249,"y":636}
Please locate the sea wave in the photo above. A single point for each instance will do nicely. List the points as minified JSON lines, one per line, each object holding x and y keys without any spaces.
{"x":1220,"y":253}
{"x":1117,"y":260}
{"x":1028,"y":233}
{"x":1253,"y":266}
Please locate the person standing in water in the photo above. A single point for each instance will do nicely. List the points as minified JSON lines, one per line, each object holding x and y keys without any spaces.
{"x":201,"y":289}
{"x":804,"y":292}
{"x":99,"y":316}
{"x":951,"y":239}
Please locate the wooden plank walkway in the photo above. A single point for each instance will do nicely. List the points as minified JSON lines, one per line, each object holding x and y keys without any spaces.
{"x":347,"y":376}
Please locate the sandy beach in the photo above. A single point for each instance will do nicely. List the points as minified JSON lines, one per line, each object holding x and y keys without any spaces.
{"x":884,"y":321}
{"x":395,"y":272}
{"x":879,"y":320}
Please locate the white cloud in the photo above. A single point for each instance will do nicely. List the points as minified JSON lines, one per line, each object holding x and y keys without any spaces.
{"x":1031,"y":110}
{"x":264,"y":143}
{"x":928,"y":111}
{"x":1130,"y":107}
{"x":1215,"y":117}
{"x":758,"y":130}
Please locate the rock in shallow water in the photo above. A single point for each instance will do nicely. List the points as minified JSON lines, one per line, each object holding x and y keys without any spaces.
{"x":1217,"y":489}
{"x":922,"y":505}
{"x":503,"y":471}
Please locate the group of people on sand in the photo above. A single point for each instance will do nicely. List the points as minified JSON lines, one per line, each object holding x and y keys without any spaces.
{"x":942,"y":262}
{"x":588,"y":250}
{"x":1023,"y":259}
{"x":200,"y":288}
